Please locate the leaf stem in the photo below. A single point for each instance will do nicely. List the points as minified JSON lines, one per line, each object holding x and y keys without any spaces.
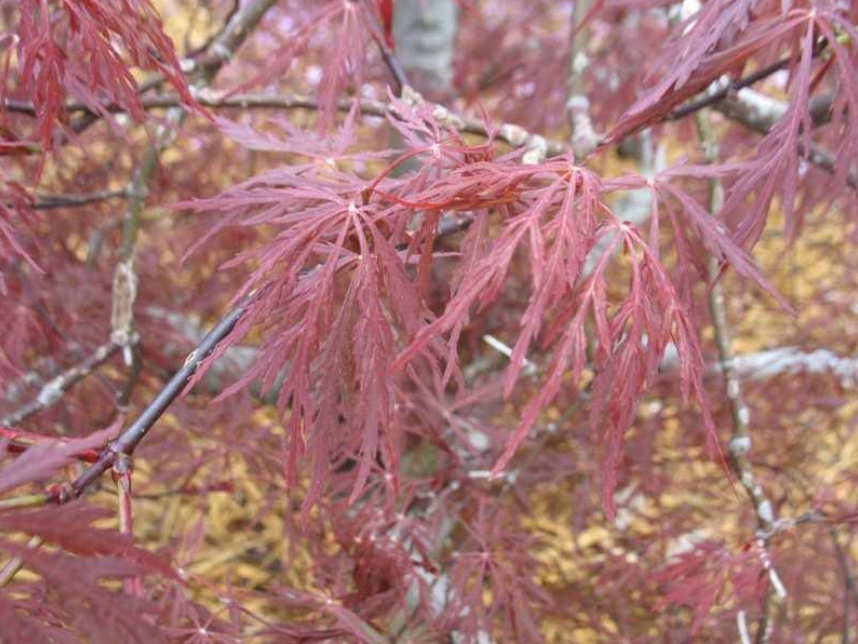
{"x":122,"y":471}
{"x":27,"y":501}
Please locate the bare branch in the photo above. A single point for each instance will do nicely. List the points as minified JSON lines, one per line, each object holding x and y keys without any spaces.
{"x":47,"y":201}
{"x":584,"y":137}
{"x":739,"y":446}
{"x":54,"y":389}
{"x":759,"y":113}
{"x":392,"y":62}
{"x":131,"y":437}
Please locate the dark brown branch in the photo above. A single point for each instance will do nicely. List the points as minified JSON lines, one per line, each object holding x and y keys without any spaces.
{"x":131,"y":437}
{"x":746,"y":114}
{"x":236,"y":31}
{"x":509,"y":133}
{"x":52,"y":201}
{"x":690,"y":108}
{"x":747,"y":81}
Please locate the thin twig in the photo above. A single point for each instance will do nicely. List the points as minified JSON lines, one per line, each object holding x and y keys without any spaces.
{"x":122,"y":471}
{"x":820,"y":109}
{"x":584,"y":137}
{"x":390,"y":60}
{"x":26,"y":501}
{"x":131,"y":437}
{"x":510,"y":133}
{"x":8,"y":572}
{"x":47,"y":201}
{"x":238,"y":28}
{"x":730,"y":88}
{"x":739,"y":446}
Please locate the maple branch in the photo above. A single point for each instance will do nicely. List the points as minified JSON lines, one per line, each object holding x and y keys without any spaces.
{"x":584,"y":137}
{"x":390,"y":60}
{"x":47,"y":201}
{"x":128,"y":440}
{"x":510,"y":133}
{"x":770,"y":363}
{"x":773,"y":362}
{"x":55,"y":388}
{"x":125,"y":276}
{"x":238,"y":27}
{"x":759,"y":113}
{"x":237,"y":359}
{"x":739,"y":446}
{"x":8,"y":572}
{"x":818,"y":110}
{"x":212,"y":56}
{"x":220,"y":50}
{"x":223,"y":47}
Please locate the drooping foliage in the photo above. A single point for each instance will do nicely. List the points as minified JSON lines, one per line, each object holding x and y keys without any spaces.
{"x":483,"y":388}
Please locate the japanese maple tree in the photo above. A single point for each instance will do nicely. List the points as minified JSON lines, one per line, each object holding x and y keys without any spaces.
{"x":446,"y":293}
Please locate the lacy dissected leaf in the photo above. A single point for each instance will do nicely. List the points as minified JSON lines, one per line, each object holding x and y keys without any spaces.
{"x":336,"y":296}
{"x":495,"y":558}
{"x":16,"y":217}
{"x":784,"y":152}
{"x":70,"y":528}
{"x":86,"y":49}
{"x":42,"y":461}
{"x":343,"y":65}
{"x":18,"y":626}
{"x":697,"y":67}
{"x":699,"y":578}
{"x":557,"y":217}
{"x":87,"y":607}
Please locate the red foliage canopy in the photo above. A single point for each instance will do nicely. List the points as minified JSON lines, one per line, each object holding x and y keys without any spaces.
{"x":365,"y":279}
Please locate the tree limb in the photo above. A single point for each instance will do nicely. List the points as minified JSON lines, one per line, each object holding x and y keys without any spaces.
{"x":55,"y":388}
{"x":739,"y":446}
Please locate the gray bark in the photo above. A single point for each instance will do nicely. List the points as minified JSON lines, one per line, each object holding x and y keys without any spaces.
{"x":425,"y":33}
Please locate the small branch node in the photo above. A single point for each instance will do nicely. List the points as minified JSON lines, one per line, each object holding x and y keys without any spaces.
{"x":515,"y":135}
{"x":765,"y":512}
{"x":537,"y":150}
{"x":739,"y":445}
{"x":51,"y":392}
